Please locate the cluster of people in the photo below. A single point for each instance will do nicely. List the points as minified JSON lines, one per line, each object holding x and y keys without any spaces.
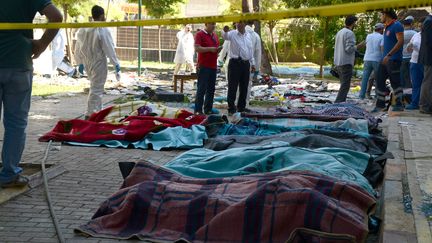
{"x":243,"y":54}
{"x":394,"y":51}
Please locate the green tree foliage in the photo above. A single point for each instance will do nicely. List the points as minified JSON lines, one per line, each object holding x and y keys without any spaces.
{"x":160,"y":8}
{"x":324,"y":30}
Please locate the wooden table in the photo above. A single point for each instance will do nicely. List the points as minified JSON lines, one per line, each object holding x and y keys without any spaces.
{"x":182,"y":78}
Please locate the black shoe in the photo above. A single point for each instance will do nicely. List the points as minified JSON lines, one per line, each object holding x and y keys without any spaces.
{"x":246,"y":110}
{"x":210,"y":113}
{"x":425,"y":111}
{"x":19,"y":181}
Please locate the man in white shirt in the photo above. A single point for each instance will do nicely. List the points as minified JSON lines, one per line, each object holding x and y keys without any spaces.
{"x":242,"y":63}
{"x":372,"y":57}
{"x":256,"y":43}
{"x":416,"y":71}
{"x":409,"y":32}
{"x":344,"y":56}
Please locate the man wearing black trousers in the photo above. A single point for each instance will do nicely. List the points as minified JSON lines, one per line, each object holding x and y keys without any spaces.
{"x":242,"y":63}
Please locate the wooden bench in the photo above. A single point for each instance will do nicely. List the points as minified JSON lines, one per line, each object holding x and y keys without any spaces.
{"x":182,"y":78}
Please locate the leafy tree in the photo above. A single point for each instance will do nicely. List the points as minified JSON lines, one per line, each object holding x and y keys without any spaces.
{"x":159,"y":9}
{"x":329,"y":26}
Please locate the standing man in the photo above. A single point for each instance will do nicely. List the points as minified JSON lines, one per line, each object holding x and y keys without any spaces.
{"x":256,"y":43}
{"x":409,"y":32}
{"x":391,"y":63}
{"x":93,"y":47}
{"x":416,"y":70}
{"x":425,"y":58}
{"x":344,"y":56}
{"x":185,"y":50}
{"x":17,"y":48}
{"x":207,"y":46}
{"x":372,"y":57}
{"x":242,"y":63}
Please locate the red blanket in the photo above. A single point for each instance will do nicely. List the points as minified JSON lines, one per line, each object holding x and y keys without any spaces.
{"x":293,"y":206}
{"x":133,"y":128}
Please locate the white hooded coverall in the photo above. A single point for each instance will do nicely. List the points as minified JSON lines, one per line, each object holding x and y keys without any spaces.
{"x":92,"y":48}
{"x":185,"y":51}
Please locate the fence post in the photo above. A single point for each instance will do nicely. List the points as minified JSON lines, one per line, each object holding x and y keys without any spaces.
{"x":139,"y":38}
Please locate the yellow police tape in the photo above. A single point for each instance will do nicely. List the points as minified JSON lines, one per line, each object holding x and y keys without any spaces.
{"x":323,"y":11}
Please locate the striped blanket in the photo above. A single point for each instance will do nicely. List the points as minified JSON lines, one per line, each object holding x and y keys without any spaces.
{"x":295,"y":206}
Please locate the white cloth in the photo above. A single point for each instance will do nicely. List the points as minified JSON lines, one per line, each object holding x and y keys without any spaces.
{"x":58,"y":49}
{"x":374,"y":42}
{"x":408,"y":34}
{"x":344,"y":50}
{"x":256,"y":43}
{"x":185,"y":48}
{"x":415,"y":43}
{"x":92,"y":48}
{"x":240,"y":45}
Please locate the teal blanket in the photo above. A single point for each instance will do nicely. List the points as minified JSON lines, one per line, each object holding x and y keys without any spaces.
{"x":339,"y":163}
{"x":169,"y":138}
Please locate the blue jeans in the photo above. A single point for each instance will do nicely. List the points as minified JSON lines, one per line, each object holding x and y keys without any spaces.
{"x":205,"y":87}
{"x":15,"y":98}
{"x":417,"y":74}
{"x":367,"y":70}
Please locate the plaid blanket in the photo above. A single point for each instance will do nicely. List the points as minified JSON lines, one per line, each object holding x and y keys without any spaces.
{"x":159,"y":205}
{"x":331,"y":112}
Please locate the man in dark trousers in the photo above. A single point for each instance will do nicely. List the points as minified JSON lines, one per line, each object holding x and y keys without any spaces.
{"x":425,"y":58}
{"x":391,"y":63}
{"x":344,"y":56}
{"x":242,"y":63}
{"x":17,"y":49}
{"x":207,"y":46}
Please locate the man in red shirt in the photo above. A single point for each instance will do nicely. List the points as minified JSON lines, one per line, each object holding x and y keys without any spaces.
{"x":207,"y":46}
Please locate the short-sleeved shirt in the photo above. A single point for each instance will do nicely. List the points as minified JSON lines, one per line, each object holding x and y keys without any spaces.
{"x":204,"y":39}
{"x":15,"y":45}
{"x":390,"y":40}
{"x":373,"y":52}
{"x":408,"y":34}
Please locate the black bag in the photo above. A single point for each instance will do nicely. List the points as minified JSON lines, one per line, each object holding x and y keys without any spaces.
{"x":334,"y":72}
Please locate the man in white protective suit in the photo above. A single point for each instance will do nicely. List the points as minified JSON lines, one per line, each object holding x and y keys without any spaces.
{"x":58,"y":52}
{"x":93,"y":47}
{"x":185,"y":50}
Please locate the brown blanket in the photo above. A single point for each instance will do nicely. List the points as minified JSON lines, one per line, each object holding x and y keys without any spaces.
{"x":293,"y":206}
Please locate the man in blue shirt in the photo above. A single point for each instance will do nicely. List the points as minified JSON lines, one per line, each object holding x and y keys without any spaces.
{"x":17,"y":49}
{"x":391,"y":63}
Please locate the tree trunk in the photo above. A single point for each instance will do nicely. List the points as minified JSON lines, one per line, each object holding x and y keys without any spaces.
{"x":68,"y":35}
{"x":271,"y":27}
{"x":265,"y":62}
{"x":245,"y":6}
{"x":256,"y":9}
{"x":159,"y":44}
{"x":324,"y":49}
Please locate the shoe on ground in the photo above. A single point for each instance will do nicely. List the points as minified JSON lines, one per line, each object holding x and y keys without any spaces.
{"x":231,"y":113}
{"x":412,"y":107}
{"x":211,"y":113}
{"x":19,"y":181}
{"x":425,"y":112}
{"x":377,"y":109}
{"x":397,"y":108}
{"x":245,"y":110}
